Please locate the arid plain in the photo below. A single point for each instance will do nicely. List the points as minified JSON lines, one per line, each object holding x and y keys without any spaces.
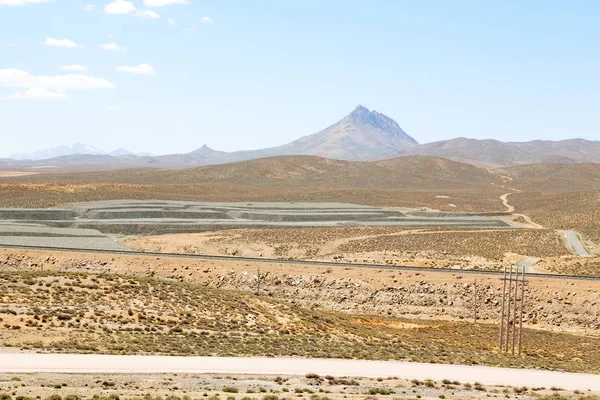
{"x":62,"y":301}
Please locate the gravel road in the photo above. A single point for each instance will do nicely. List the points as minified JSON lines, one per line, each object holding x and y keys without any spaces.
{"x":575,"y":245}
{"x":87,"y":363}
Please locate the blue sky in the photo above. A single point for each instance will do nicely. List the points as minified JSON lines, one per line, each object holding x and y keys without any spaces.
{"x":251,"y":74}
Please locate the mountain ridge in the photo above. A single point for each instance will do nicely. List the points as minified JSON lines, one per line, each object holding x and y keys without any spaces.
{"x":362,"y":135}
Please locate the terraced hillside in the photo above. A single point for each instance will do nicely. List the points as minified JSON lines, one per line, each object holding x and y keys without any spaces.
{"x":403,"y":182}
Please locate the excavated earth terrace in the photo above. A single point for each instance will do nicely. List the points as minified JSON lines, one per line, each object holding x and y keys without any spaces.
{"x":86,"y":225}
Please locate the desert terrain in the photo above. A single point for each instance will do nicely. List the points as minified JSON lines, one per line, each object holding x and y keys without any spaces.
{"x":60,"y":301}
{"x":311,"y":386}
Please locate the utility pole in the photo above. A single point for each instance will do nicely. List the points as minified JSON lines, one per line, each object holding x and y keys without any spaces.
{"x":258,"y":282}
{"x":501,"y":338}
{"x":508,"y":313}
{"x":508,"y":320}
{"x":475,"y":301}
{"x":521,"y":313}
{"x":514,"y":333}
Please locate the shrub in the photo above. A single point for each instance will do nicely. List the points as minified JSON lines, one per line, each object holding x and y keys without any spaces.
{"x":382,"y":391}
{"x":230,"y":389}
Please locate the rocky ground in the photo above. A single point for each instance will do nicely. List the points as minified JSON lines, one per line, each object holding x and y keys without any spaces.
{"x":554,"y":304}
{"x":438,"y":248}
{"x":244,"y":387}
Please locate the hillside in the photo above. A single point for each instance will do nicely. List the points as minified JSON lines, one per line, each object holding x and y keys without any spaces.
{"x":126,"y":314}
{"x":494,"y":153}
{"x":406,"y":173}
{"x":547,"y":177}
{"x":404,"y":182}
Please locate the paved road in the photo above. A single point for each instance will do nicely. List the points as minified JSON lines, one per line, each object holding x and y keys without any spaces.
{"x":575,"y":245}
{"x":85,"y":363}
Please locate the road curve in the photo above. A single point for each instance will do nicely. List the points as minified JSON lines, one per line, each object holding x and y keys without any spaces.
{"x":90,"y":363}
{"x":575,"y":244}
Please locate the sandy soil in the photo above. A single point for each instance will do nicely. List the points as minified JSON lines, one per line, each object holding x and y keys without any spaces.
{"x":90,"y":363}
{"x":458,"y":249}
{"x":553,"y":304}
{"x":10,"y":174}
{"x":252,"y":387}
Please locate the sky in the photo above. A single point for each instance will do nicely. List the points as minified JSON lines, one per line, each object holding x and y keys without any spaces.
{"x":167,"y":76}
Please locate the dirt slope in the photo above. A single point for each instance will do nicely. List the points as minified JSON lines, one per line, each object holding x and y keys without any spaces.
{"x":554,"y":177}
{"x":416,"y":173}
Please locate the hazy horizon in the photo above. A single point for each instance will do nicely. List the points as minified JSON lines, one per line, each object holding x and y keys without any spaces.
{"x":167,"y":77}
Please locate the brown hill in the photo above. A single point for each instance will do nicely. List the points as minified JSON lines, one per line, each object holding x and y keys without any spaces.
{"x":404,"y":182}
{"x":405,"y":173}
{"x":493,"y":153}
{"x":548,"y":177}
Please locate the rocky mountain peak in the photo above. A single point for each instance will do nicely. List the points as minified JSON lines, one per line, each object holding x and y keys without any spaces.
{"x":363,"y":115}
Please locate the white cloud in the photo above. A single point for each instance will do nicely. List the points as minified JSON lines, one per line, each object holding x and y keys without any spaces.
{"x":89,"y":7}
{"x":206,"y":20}
{"x":112,"y":47}
{"x":171,"y":21}
{"x":48,"y":87}
{"x":61,"y":43}
{"x":142,"y":69}
{"x":119,"y":7}
{"x":114,"y":107}
{"x":15,"y":3}
{"x":163,"y":3}
{"x":39,"y":94}
{"x":148,"y":14}
{"x":74,"y":68}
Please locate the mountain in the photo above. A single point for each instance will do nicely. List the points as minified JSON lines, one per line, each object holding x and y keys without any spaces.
{"x":493,"y":153}
{"x":362,"y":135}
{"x":70,"y":153}
{"x":120,"y":152}
{"x":59,"y":151}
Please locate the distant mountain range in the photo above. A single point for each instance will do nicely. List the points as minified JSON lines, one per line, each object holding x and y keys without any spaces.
{"x":363,"y":135}
{"x":493,"y":153}
{"x":64,"y":150}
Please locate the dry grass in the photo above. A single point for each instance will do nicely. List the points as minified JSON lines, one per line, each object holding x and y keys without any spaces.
{"x":579,"y":211}
{"x":377,"y":244}
{"x":41,"y":195}
{"x":126,"y":315}
{"x":491,"y":245}
{"x":249,"y":387}
{"x":406,"y":182}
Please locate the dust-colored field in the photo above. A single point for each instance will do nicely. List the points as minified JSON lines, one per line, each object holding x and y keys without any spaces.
{"x":403,"y":182}
{"x":578,"y":210}
{"x":11,"y":174}
{"x":551,"y":304}
{"x":249,"y":387}
{"x":547,"y":177}
{"x":111,"y":314}
{"x":42,"y":195}
{"x":448,"y":248}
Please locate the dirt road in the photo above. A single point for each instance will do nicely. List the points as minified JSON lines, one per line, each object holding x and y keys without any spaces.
{"x":68,"y":363}
{"x":575,"y":245}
